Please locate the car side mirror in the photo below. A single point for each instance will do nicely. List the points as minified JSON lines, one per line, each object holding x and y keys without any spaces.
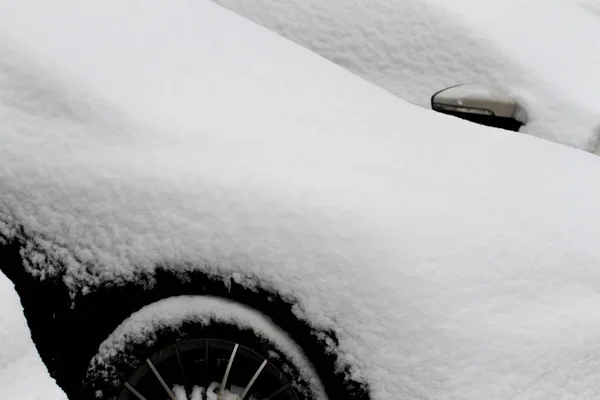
{"x":482,"y":104}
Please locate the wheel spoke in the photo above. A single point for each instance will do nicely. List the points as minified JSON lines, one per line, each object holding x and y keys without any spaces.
{"x":180,"y":367}
{"x":206,"y":366}
{"x":245,"y":392}
{"x":161,"y":380}
{"x":278,"y":391}
{"x":222,"y":388}
{"x":135,"y":392}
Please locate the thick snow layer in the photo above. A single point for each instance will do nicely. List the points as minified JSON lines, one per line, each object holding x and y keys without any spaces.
{"x":23,"y":376}
{"x":173,"y":312}
{"x":452,"y":260}
{"x":546,"y":53}
{"x":592,"y":6}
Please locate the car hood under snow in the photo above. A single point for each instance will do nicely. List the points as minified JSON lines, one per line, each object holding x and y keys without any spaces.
{"x":452,"y":260}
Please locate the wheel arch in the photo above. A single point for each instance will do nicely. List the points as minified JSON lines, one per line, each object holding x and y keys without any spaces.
{"x":68,"y":330}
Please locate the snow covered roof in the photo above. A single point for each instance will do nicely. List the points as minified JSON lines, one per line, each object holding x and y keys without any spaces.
{"x":453,"y":260}
{"x":545,"y":53}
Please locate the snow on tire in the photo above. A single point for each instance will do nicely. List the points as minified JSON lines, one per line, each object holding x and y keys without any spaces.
{"x":195,"y":347}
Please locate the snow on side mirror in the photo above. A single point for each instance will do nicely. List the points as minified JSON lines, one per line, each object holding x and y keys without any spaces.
{"x":482,"y":104}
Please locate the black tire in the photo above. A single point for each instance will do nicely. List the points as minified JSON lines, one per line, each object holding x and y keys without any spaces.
{"x":107,"y":375}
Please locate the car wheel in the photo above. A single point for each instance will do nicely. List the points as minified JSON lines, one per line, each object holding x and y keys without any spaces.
{"x":196,"y":347}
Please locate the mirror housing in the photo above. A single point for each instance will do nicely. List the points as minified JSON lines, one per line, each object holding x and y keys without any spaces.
{"x":482,"y":104}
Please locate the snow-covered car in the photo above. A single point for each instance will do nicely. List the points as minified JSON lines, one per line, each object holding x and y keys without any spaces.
{"x":192,"y":205}
{"x":544,"y":54}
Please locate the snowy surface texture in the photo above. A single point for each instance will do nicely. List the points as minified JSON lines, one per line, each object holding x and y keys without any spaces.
{"x":173,"y":312}
{"x":546,"y":53}
{"x":23,"y":376}
{"x":453,"y":261}
{"x":592,"y":6}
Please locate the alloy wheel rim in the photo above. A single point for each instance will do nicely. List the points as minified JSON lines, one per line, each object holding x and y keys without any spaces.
{"x":208,"y":369}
